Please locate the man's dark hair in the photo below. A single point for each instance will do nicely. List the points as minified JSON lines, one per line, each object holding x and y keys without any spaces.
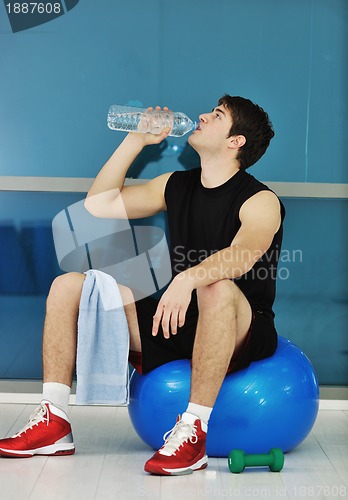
{"x":252,"y":121}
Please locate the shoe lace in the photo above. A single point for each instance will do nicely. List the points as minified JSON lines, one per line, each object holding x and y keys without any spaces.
{"x":181,"y":433}
{"x":41,"y":414}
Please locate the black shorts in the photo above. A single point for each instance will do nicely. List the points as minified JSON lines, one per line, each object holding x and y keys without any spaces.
{"x":261,"y":341}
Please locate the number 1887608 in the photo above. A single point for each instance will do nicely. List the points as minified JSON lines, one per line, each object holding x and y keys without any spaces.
{"x":34,"y":8}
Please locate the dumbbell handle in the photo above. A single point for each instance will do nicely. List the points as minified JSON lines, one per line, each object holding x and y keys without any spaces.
{"x":260,"y":459}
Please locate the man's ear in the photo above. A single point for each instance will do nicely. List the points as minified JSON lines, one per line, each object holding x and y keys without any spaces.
{"x":236,"y":141}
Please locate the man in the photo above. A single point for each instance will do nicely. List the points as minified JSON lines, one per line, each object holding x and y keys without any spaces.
{"x":225,"y":232}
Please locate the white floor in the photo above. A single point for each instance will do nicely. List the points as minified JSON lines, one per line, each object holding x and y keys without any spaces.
{"x":109,"y":463}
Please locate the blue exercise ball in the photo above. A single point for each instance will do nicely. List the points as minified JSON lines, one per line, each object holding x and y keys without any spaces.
{"x":271,"y":404}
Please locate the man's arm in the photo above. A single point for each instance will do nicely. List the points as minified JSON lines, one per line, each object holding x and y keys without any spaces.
{"x":109,"y":198}
{"x":260,"y":220}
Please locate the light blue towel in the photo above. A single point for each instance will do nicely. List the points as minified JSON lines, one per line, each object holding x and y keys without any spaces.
{"x":103,"y":343}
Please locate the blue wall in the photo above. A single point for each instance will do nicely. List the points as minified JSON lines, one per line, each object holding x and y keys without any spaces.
{"x":59,"y":79}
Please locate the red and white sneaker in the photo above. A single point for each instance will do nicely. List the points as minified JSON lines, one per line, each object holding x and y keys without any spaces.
{"x":48,"y":432}
{"x":183,"y":451}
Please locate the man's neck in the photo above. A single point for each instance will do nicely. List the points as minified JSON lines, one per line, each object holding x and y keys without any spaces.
{"x":217,"y":171}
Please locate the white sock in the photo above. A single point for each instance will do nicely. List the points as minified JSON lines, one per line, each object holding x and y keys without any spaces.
{"x":57,"y":394}
{"x":202,"y":412}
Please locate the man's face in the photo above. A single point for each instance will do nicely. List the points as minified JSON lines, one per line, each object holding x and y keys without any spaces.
{"x":213,"y":130}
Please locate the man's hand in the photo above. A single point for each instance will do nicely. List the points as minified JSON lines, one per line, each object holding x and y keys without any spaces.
{"x":146,"y":139}
{"x":172,"y":307}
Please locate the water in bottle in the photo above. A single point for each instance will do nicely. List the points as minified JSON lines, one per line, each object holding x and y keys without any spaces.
{"x":132,"y":119}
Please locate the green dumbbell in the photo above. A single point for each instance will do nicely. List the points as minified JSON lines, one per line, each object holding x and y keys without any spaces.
{"x":238,"y":460}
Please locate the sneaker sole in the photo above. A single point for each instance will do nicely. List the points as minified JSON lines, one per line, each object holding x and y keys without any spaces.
{"x":201,"y":464}
{"x":54,"y":449}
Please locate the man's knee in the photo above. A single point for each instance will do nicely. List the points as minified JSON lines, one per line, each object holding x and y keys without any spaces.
{"x":65,"y":288}
{"x":218,"y":293}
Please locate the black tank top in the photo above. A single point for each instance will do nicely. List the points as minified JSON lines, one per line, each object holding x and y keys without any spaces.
{"x":205,"y":220}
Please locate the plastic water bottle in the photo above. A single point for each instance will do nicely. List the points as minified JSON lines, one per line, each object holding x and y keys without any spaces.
{"x":132,"y":119}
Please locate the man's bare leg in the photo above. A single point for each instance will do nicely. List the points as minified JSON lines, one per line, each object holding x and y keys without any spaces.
{"x":223,"y":323}
{"x":60,"y":329}
{"x":48,"y":431}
